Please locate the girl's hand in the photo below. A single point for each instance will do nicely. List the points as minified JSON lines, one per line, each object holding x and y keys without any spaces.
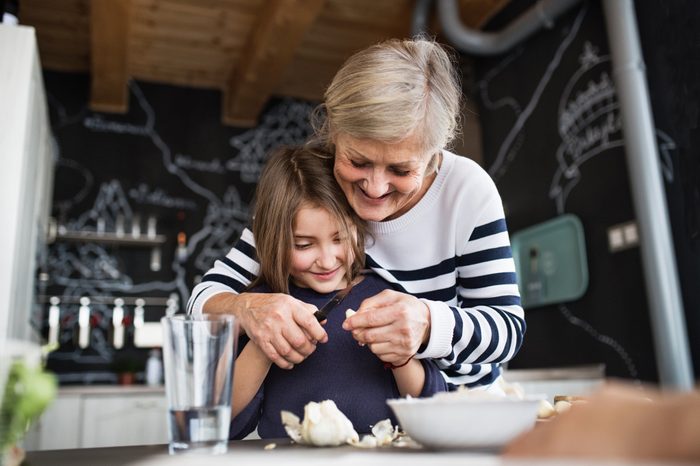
{"x":393,"y":324}
{"x":283,"y":327}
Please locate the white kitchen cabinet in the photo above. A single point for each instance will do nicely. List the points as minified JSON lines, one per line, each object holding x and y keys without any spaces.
{"x":58,"y":426}
{"x":124,"y":420}
{"x":88,"y":417}
{"x":26,"y":178}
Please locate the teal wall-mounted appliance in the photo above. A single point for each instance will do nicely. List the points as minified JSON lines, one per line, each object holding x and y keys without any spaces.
{"x":550,"y":259}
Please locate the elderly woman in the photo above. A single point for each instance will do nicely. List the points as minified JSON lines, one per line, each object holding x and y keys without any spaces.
{"x":436,"y":221}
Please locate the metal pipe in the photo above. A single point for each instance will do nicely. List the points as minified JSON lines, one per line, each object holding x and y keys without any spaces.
{"x":421,"y":17}
{"x":663,"y":290}
{"x":543,"y":13}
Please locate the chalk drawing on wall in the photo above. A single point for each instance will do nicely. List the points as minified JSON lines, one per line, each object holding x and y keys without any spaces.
{"x":95,"y":269}
{"x":604,"y":339}
{"x":216,"y":234}
{"x":588,"y":118}
{"x":588,"y":122}
{"x":667,"y":151}
{"x":287,"y":124}
{"x":505,"y":151}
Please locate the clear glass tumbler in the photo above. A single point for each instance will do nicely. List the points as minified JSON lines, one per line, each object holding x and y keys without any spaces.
{"x":199,"y":353}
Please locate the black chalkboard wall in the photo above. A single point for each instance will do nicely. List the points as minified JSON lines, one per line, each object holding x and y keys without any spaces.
{"x":533,"y":102}
{"x":168,"y":159}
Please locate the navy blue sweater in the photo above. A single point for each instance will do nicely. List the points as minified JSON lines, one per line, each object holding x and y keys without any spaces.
{"x":339,"y":370}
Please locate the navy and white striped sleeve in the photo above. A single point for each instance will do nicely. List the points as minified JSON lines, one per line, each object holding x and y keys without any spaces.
{"x":230,"y":274}
{"x":487,"y":326}
{"x":490,"y":323}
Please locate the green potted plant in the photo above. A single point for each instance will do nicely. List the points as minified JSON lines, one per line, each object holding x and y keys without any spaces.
{"x":26,"y":390}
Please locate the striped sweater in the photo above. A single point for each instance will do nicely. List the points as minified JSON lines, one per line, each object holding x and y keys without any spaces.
{"x":452,"y":251}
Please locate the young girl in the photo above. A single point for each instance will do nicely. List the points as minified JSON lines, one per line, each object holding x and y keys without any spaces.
{"x":310,"y":244}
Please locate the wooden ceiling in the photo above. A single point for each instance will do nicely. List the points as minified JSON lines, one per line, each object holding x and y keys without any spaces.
{"x":250,"y":49}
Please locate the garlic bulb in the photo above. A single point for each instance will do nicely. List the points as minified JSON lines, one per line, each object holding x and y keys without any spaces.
{"x":323,"y":425}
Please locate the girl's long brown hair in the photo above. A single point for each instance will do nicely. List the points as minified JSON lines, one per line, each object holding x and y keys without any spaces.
{"x":292,"y":177}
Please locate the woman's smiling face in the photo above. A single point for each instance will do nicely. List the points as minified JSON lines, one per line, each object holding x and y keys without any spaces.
{"x":381,"y":180}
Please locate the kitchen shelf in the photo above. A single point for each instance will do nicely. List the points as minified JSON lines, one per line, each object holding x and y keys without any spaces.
{"x":57,"y":232}
{"x":109,"y":238}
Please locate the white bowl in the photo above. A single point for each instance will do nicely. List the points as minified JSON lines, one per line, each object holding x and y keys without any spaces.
{"x":463,"y":422}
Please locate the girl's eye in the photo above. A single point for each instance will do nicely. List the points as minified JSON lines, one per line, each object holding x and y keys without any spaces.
{"x":302,"y":246}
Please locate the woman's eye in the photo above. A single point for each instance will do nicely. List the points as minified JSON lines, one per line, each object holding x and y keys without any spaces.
{"x":398,"y":172}
{"x":358,"y":164}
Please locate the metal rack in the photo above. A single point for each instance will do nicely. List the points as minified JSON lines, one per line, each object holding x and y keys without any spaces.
{"x":126,"y":300}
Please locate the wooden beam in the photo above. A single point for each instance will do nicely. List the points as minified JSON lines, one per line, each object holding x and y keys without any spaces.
{"x":270,"y":48}
{"x":108,"y":53}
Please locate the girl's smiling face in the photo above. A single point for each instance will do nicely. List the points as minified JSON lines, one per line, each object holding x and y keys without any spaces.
{"x":320,"y":253}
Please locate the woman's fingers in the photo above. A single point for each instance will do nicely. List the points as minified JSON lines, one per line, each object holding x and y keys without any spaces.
{"x":305,"y":319}
{"x":295,"y":345}
{"x":283,"y":327}
{"x":271,"y":352}
{"x":392,"y":317}
{"x":371,"y":312}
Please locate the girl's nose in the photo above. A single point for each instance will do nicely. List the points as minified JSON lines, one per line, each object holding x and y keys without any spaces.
{"x":328,"y":257}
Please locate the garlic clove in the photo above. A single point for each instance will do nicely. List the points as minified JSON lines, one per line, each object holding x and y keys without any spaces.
{"x":384,"y":432}
{"x":292,"y":426}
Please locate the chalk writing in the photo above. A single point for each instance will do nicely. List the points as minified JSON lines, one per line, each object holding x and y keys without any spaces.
{"x":144,"y":194}
{"x":186,"y":162}
{"x":98,"y":123}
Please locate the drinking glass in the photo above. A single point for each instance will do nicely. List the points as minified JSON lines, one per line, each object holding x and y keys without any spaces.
{"x":199,"y":353}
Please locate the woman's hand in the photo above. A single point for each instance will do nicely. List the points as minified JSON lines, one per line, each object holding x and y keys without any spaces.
{"x":620,"y":421}
{"x":283,"y":327}
{"x":393,"y":324}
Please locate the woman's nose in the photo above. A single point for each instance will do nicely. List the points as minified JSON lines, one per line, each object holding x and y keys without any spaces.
{"x":376,"y":185}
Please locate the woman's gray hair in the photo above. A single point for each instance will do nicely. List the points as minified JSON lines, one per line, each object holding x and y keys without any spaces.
{"x":390,"y":91}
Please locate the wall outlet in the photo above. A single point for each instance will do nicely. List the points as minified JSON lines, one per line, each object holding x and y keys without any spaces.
{"x":623,"y":236}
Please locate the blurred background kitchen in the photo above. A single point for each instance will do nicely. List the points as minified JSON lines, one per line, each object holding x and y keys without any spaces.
{"x":132,"y":134}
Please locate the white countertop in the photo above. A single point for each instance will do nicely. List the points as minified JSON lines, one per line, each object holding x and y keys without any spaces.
{"x":252,"y":452}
